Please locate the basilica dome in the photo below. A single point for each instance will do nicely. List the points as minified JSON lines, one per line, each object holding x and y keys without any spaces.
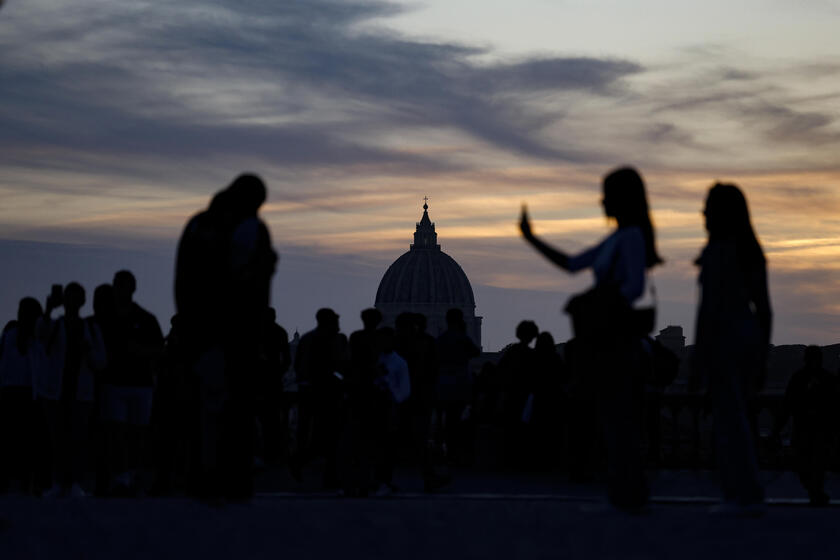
{"x":427,"y":280}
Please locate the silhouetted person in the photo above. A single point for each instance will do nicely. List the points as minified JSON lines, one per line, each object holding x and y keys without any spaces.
{"x":222,"y":287}
{"x":608,"y":337}
{"x":75,"y":352}
{"x":320,"y":365}
{"x":585,"y":431}
{"x":518,"y":370}
{"x":175,"y":414}
{"x":455,"y":349}
{"x":733,"y":335}
{"x":275,"y":359}
{"x":21,"y":440}
{"x":135,"y":344}
{"x":362,"y":399}
{"x":394,"y":387}
{"x":550,"y":401}
{"x":811,"y":398}
{"x":101,"y":433}
{"x":419,"y":349}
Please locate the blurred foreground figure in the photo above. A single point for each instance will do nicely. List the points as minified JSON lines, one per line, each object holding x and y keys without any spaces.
{"x":609,"y":330}
{"x":222,"y":287}
{"x":733,"y":336}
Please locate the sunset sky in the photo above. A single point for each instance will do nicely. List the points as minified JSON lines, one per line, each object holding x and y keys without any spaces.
{"x":118,"y":120}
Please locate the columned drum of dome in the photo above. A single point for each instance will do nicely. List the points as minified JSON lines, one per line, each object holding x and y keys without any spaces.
{"x":426,"y":280}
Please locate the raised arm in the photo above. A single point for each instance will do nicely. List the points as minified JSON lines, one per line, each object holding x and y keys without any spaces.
{"x":557,"y":257}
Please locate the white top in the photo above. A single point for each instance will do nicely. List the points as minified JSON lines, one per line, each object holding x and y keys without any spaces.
{"x":619,"y":259}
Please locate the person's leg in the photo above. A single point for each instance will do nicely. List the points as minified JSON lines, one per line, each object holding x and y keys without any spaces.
{"x":6,"y":440}
{"x":622,"y":414}
{"x":139,"y":401}
{"x":385,"y":433}
{"x":29,"y":443}
{"x":333,"y":418}
{"x":99,"y":442}
{"x":55,"y":426}
{"x":116,"y":427}
{"x":80,"y":442}
{"x":734,"y":439}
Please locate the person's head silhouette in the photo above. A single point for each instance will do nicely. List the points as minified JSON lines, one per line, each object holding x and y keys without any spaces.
{"x":29,"y":310}
{"x":74,"y":298}
{"x":327,"y":320}
{"x":371,"y":318}
{"x":526,"y":331}
{"x":726,"y":212}
{"x":239,"y":200}
{"x":246,"y":194}
{"x":455,"y":319}
{"x":103,"y":300}
{"x":124,"y":287}
{"x":728,"y":219}
{"x":625,"y":200}
{"x":545,"y":343}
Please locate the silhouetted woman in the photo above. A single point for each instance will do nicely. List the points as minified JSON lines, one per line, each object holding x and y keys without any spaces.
{"x":21,"y":353}
{"x":619,"y":264}
{"x":733,"y":333}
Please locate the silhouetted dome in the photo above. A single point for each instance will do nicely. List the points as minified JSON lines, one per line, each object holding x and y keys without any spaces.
{"x":426,"y":280}
{"x":425,"y":276}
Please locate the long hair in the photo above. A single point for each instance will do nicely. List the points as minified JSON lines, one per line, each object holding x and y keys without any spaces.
{"x":29,"y":310}
{"x":728,"y":219}
{"x":626,"y":190}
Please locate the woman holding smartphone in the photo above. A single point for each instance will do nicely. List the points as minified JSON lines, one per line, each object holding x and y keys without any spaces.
{"x":619,"y":264}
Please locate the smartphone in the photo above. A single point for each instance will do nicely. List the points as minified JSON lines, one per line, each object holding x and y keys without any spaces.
{"x":57,"y":294}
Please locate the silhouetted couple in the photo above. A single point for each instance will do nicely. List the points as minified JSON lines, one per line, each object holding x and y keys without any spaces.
{"x":733,"y":330}
{"x":222,"y":290}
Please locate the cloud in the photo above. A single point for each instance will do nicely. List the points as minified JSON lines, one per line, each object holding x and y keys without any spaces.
{"x":297,"y":84}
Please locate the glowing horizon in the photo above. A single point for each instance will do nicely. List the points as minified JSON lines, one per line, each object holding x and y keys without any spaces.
{"x":123,"y":123}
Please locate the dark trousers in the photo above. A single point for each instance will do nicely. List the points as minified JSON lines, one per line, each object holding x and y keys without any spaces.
{"x":585,"y":440}
{"x":811,"y":448}
{"x":271,"y":415}
{"x":21,"y":436}
{"x":621,"y":413}
{"x":621,"y":410}
{"x":68,"y":421}
{"x":328,"y":417}
{"x":385,"y":432}
{"x":735,"y":444}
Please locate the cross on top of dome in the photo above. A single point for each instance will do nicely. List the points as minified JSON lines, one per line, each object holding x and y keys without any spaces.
{"x":425,"y":237}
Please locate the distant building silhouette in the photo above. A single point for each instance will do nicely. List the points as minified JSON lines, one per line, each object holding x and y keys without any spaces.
{"x":426,"y":280}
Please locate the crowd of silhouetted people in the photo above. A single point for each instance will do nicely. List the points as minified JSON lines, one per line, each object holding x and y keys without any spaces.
{"x":106,"y":404}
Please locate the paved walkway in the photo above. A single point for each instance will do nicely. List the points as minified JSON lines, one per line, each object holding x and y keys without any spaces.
{"x":480,"y":516}
{"x":414,"y":528}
